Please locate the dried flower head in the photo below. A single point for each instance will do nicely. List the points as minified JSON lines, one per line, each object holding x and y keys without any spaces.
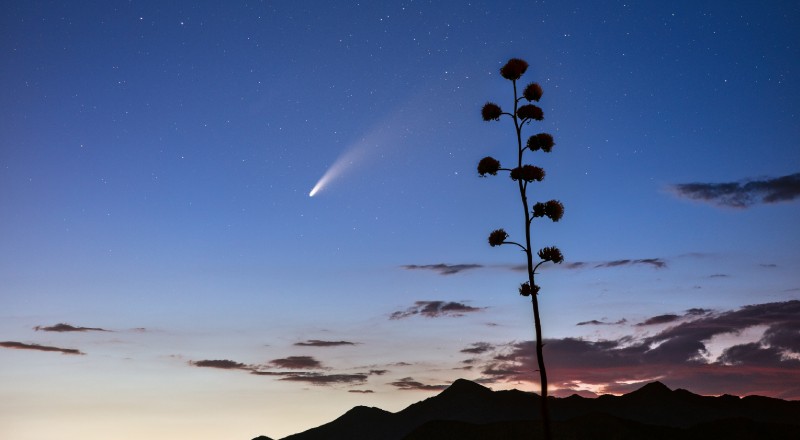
{"x":539,"y":209}
{"x":551,"y":254}
{"x":525,"y":289}
{"x":497,"y":237}
{"x":491,"y":112}
{"x":554,"y":209}
{"x":533,"y":92}
{"x":528,"y":173}
{"x":530,"y":111}
{"x":541,"y":141}
{"x":513,"y":69}
{"x":488,"y":165}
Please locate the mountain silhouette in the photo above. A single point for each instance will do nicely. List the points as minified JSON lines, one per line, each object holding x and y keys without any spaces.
{"x":467,"y":410}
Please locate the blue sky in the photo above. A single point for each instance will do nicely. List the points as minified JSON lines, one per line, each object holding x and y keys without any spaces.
{"x":155,"y":170}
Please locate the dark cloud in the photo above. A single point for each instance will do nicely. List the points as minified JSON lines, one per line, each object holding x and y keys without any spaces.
{"x":719,"y":275}
{"x":319,"y":343}
{"x":658,"y":263}
{"x":378,"y":372}
{"x":660,"y":319}
{"x":596,"y":322}
{"x":443,"y":269}
{"x":361,"y":391}
{"x":23,"y":346}
{"x":435,"y":309}
{"x":742,"y":194}
{"x":676,"y":355}
{"x":327,"y":379}
{"x":695,"y":311}
{"x":62,"y":327}
{"x":478,"y":348}
{"x":222,"y":364}
{"x":409,"y":384}
{"x":296,"y":362}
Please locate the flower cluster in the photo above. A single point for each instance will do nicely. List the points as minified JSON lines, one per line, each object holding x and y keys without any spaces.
{"x":530,"y":111}
{"x":491,"y":112}
{"x":525,"y":289}
{"x":541,"y":141}
{"x":533,"y":92}
{"x":552,"y":209}
{"x":513,"y":69}
{"x":551,"y":254}
{"x":488,"y":165}
{"x":497,"y":237}
{"x":528,"y":173}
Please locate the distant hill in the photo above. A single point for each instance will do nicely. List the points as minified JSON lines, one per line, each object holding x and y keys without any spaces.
{"x":467,"y":410}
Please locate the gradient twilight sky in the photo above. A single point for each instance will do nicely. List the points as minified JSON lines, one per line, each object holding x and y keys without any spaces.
{"x":156,"y":161}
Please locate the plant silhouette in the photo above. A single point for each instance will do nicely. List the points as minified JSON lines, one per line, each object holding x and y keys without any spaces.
{"x":524,"y":174}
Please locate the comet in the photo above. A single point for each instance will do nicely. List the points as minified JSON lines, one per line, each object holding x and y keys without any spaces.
{"x":391,"y":131}
{"x":347,"y":160}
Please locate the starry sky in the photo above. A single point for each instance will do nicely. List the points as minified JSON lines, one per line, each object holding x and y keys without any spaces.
{"x":165,"y":274}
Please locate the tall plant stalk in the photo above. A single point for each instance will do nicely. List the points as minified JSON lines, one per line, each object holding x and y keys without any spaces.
{"x":524,"y":174}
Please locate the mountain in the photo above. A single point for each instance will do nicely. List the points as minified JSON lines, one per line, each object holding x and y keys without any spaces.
{"x":467,"y":410}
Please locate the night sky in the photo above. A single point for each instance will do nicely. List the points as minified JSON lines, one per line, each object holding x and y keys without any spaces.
{"x":165,"y":274}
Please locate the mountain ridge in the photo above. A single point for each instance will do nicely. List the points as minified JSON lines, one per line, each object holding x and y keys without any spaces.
{"x":466,"y":408}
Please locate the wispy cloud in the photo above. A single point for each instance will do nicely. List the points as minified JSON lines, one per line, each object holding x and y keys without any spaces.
{"x":742,"y":194}
{"x":62,"y":327}
{"x":361,"y":391}
{"x":658,"y":263}
{"x":409,"y":384}
{"x":596,"y":322}
{"x":478,"y":348}
{"x":435,"y":309}
{"x":327,"y":379}
{"x":223,"y":364}
{"x":296,"y":362}
{"x":320,"y":343}
{"x":22,"y":346}
{"x":443,"y":269}
{"x":678,"y":354}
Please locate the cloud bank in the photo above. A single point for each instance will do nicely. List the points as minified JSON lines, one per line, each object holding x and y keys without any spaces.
{"x":743,"y":194}
{"x":679,"y":355}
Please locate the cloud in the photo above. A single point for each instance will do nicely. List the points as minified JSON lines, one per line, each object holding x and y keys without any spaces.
{"x":435,"y":309}
{"x":596,"y":322}
{"x":671,"y":317}
{"x":23,"y":346}
{"x":743,"y":194}
{"x":62,"y":327}
{"x":443,"y":269}
{"x":222,"y":364}
{"x":296,"y":362}
{"x":660,"y":319}
{"x":319,"y":343}
{"x":678,"y":355}
{"x":657,"y":263}
{"x":361,"y":391}
{"x":327,"y":379}
{"x":478,"y":348}
{"x":409,"y":384}
{"x":378,"y":372}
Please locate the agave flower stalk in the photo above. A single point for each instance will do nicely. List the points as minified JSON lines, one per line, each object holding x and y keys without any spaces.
{"x":524,"y":174}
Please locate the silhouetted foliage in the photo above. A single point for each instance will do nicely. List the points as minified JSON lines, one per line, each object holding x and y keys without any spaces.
{"x":524,"y":174}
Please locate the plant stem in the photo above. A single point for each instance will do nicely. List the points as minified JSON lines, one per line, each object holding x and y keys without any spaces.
{"x":545,"y":413}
